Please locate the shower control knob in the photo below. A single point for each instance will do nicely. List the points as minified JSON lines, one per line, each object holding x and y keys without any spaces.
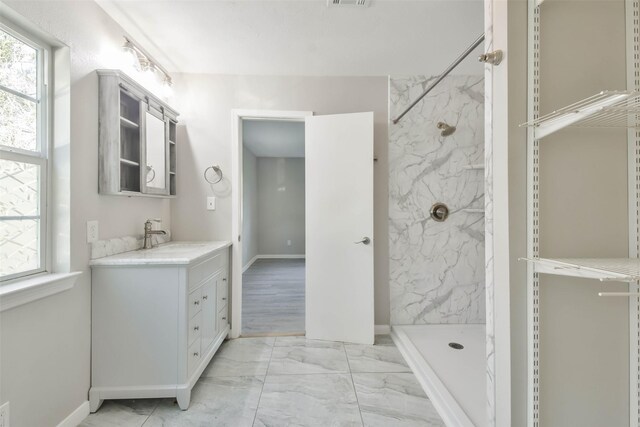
{"x":439,"y":212}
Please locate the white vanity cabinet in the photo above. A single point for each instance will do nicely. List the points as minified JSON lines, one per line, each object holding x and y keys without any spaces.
{"x":158,"y":317}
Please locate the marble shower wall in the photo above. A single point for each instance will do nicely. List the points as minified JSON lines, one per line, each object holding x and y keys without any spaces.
{"x":437,"y":269}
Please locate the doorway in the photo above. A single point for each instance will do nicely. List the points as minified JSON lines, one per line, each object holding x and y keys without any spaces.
{"x":273,"y":226}
{"x":338,"y":218}
{"x":241,"y":249}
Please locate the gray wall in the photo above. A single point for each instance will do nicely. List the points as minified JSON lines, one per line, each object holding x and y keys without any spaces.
{"x":45,"y":345}
{"x":249,"y":206}
{"x":281,"y":206}
{"x":205,"y":103}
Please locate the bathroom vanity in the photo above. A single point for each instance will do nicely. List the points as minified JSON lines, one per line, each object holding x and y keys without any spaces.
{"x":158,"y":317}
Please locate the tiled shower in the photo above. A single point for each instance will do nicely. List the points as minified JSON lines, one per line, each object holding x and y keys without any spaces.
{"x":437,"y":269}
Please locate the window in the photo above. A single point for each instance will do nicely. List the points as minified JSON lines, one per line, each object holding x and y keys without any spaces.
{"x":24,"y":149}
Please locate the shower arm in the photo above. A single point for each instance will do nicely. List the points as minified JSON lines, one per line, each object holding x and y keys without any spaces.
{"x":441,"y":77}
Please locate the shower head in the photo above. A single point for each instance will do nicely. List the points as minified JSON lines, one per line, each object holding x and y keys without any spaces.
{"x":445,"y":128}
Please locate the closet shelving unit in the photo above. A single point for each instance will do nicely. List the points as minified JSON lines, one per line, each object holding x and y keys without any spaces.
{"x":606,"y":109}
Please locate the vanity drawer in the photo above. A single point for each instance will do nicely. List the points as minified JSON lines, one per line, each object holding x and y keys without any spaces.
{"x":194,"y":356}
{"x":195,"y":303}
{"x":223,"y":319}
{"x":206,"y":268}
{"x":223,"y":291}
{"x":195,"y":327}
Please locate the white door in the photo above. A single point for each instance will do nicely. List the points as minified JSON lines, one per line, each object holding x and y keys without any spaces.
{"x":339,"y":227}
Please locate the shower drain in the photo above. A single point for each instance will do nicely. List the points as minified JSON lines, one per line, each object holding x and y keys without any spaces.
{"x":456,"y":345}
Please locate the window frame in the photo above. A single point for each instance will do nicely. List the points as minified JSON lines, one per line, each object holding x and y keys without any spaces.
{"x":42,"y":155}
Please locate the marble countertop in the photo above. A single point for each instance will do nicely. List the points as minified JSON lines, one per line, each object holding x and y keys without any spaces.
{"x":171,"y":253}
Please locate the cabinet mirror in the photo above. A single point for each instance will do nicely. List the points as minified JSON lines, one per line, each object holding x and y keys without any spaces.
{"x":155,"y":145}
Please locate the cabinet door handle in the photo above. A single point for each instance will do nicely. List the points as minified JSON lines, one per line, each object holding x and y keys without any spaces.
{"x":196,"y":328}
{"x":224,"y":279}
{"x":224,"y":318}
{"x":205,"y":297}
{"x":224,"y":299}
{"x":196,"y":302}
{"x":196,"y":354}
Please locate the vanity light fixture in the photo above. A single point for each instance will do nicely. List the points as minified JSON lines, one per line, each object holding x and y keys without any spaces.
{"x":143,"y":61}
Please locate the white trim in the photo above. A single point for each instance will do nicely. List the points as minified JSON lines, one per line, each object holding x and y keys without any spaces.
{"x":31,"y":289}
{"x":250,"y":263}
{"x":236,"y":201}
{"x":77,"y":416}
{"x":292,"y":256}
{"x":257,"y":257}
{"x":633,"y":143}
{"x":382,"y":329}
{"x":448,"y":408}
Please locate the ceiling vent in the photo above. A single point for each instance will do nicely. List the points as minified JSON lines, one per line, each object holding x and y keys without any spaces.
{"x":359,"y":3}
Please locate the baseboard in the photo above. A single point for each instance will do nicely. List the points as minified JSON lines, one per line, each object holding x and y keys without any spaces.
{"x":77,"y":416}
{"x":257,"y":257}
{"x":250,"y":263}
{"x":281,"y":256}
{"x":382,"y":329}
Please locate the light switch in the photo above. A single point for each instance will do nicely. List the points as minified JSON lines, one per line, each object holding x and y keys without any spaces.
{"x":211,"y":203}
{"x":92,"y":231}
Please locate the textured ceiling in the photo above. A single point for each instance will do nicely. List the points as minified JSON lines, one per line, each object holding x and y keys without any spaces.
{"x":303,"y":37}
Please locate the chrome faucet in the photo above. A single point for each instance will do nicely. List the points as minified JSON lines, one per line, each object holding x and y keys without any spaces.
{"x":148,"y":232}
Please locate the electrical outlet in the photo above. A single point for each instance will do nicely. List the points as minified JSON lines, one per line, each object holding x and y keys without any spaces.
{"x":288,"y":242}
{"x":4,"y":415}
{"x":92,"y":231}
{"x":211,"y":203}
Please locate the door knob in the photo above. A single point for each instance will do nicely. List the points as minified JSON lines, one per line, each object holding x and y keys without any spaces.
{"x":365,"y":241}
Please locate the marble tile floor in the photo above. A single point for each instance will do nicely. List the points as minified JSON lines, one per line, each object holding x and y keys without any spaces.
{"x":273,"y":297}
{"x":289,"y":381}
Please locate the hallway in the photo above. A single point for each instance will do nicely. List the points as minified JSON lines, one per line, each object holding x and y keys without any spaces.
{"x":273,"y":297}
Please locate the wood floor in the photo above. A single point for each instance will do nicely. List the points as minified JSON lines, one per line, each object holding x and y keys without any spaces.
{"x":273,"y":297}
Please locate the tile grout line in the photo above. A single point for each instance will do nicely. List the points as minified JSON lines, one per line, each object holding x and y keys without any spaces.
{"x":355,"y":392}
{"x":264,"y":381}
{"x":150,"y":413}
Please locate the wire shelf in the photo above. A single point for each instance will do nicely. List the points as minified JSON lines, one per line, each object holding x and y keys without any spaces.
{"x":603,"y":269}
{"x":607,"y":109}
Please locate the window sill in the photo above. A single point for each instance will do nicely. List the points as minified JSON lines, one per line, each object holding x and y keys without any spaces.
{"x":27,"y":290}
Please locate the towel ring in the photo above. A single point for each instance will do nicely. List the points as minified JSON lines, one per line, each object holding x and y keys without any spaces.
{"x":218,"y":172}
{"x":150,"y":169}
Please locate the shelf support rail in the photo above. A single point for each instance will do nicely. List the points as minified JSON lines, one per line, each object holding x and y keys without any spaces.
{"x":441,"y":77}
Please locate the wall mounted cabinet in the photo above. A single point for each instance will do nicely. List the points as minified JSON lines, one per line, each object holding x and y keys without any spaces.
{"x":137,"y":139}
